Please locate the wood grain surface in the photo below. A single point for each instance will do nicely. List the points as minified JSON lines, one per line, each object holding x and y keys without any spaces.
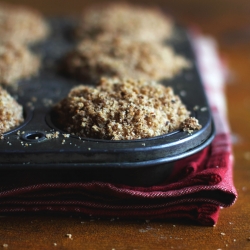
{"x":228,"y":21}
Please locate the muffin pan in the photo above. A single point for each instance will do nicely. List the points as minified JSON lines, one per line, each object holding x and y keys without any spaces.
{"x":39,"y":148}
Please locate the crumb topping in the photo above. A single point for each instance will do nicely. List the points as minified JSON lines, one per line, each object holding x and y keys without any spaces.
{"x":53,"y":135}
{"x":16,"y":62}
{"x":22,"y":24}
{"x":123,"y":19}
{"x":122,"y":58}
{"x":122,"y":110}
{"x":11,"y":113}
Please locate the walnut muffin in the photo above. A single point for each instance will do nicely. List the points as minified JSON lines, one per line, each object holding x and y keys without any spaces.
{"x":135,"y":22}
{"x":123,"y":110}
{"x":11,"y":113}
{"x":118,"y":57}
{"x":21,"y":24}
{"x":16,"y":62}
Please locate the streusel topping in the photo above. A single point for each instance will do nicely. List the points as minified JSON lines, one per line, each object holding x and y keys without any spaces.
{"x":122,"y":110}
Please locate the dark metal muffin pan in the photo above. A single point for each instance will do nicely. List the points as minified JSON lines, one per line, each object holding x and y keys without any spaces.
{"x":27,"y":151}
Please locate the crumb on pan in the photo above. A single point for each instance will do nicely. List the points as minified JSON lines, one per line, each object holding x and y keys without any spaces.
{"x":21,"y":24}
{"x":122,"y":110}
{"x":119,"y":57}
{"x":190,"y":124}
{"x":11,"y":113}
{"x":53,"y":135}
{"x":16,"y":62}
{"x":123,"y":19}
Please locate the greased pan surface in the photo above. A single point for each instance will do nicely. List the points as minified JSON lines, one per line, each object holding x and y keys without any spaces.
{"x":27,"y":149}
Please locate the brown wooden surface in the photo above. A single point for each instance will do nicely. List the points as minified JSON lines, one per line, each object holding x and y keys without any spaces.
{"x":229,"y":22}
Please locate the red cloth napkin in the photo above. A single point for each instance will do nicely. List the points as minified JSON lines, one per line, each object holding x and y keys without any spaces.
{"x":198,"y":187}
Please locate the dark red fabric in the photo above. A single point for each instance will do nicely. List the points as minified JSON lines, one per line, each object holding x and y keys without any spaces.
{"x":198,"y":187}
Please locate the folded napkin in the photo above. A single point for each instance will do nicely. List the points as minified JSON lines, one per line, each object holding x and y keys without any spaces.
{"x":198,"y":187}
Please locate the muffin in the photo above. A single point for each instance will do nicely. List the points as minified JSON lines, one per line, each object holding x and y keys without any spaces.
{"x":21,"y":24}
{"x":122,"y":19}
{"x":16,"y":62}
{"x":119,"y":57}
{"x":122,"y":110}
{"x":11,"y":113}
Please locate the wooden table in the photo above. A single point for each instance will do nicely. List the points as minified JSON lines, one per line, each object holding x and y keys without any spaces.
{"x":229,"y":22}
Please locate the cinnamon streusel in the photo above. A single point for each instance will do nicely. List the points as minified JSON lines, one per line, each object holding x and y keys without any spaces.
{"x":21,"y":24}
{"x":11,"y":113}
{"x":16,"y":62}
{"x":120,"y":57}
{"x":122,"y":110}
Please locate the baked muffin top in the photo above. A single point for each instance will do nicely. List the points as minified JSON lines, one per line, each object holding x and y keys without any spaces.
{"x":21,"y":24}
{"x":11,"y":113}
{"x":123,"y":58}
{"x":123,"y":19}
{"x":16,"y":62}
{"x":123,"y":110}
